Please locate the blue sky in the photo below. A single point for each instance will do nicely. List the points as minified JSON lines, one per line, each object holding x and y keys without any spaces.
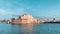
{"x":34,"y":7}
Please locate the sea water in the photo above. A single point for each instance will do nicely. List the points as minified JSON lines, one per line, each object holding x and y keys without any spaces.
{"x":29,"y":29}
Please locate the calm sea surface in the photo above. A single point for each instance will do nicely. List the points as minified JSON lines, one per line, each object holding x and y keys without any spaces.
{"x":29,"y":29}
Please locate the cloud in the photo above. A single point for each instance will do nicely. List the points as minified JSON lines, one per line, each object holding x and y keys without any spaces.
{"x":7,"y":13}
{"x":12,"y":7}
{"x":10,"y":11}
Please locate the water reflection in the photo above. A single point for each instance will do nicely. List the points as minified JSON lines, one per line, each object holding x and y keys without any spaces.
{"x":22,"y":29}
{"x":27,"y":29}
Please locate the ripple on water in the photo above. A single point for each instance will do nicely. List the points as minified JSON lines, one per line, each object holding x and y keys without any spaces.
{"x":29,"y":29}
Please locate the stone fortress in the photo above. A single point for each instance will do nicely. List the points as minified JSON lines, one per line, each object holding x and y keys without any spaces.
{"x":24,"y":19}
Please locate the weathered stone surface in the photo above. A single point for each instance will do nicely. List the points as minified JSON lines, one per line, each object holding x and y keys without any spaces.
{"x":25,"y":19}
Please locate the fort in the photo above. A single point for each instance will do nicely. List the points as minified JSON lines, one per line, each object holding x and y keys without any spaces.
{"x":24,"y":19}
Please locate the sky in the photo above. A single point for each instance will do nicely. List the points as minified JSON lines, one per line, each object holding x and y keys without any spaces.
{"x":47,"y":8}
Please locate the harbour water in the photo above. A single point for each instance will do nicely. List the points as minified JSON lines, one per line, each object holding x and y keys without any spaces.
{"x":29,"y":29}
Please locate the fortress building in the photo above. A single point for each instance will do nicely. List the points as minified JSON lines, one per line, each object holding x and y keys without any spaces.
{"x":25,"y":19}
